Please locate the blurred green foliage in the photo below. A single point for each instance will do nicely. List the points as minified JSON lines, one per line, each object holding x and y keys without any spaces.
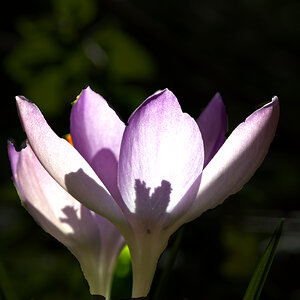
{"x":126,"y":50}
{"x":57,"y":55}
{"x":239,"y":261}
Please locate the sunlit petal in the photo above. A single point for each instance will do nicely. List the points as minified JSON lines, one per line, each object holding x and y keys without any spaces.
{"x":65,"y":164}
{"x":237,"y":159}
{"x":161,"y":157}
{"x":97,"y":132}
{"x":91,"y":238}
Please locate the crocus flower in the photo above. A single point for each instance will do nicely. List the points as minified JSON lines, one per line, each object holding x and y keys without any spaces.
{"x":158,"y":172}
{"x":93,"y":240}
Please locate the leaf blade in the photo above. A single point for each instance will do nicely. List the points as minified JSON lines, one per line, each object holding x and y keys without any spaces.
{"x":260,"y":275}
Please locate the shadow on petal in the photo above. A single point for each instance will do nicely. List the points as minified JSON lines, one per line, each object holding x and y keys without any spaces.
{"x":151,"y":209}
{"x":97,"y":198}
{"x":82,"y":225}
{"x":105,"y":165}
{"x":175,"y":219}
{"x":44,"y":222}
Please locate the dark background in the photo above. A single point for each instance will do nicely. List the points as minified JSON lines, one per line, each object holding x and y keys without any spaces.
{"x":247,"y":50}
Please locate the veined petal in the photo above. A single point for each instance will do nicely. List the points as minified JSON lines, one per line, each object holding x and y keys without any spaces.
{"x":65,"y":164}
{"x":97,"y":132}
{"x":213,"y":126}
{"x":161,"y":157}
{"x":91,"y":238}
{"x":237,"y":160}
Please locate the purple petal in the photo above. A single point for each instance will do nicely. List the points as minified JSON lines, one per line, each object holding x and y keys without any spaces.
{"x":213,"y":126}
{"x":91,"y":238}
{"x":65,"y":164}
{"x":161,"y":157}
{"x":237,"y":160}
{"x":14,"y":159}
{"x":45,"y":198}
{"x":97,"y":132}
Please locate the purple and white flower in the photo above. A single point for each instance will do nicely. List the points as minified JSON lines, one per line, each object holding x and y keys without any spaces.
{"x":93,"y":240}
{"x":154,"y":174}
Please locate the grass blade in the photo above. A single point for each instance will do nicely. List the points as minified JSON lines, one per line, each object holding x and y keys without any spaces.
{"x":260,"y":275}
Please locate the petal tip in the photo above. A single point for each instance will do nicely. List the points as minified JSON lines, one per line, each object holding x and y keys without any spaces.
{"x":216,"y":101}
{"x":271,"y":108}
{"x":273,"y":105}
{"x":87,"y":94}
{"x":273,"y":102}
{"x":83,"y":94}
{"x":21,"y":98}
{"x":23,"y":102}
{"x":161,"y":95}
{"x":218,"y":97}
{"x":165,"y":91}
{"x":87,"y":89}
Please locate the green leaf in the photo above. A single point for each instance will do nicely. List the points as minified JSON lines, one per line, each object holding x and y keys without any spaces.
{"x":260,"y":275}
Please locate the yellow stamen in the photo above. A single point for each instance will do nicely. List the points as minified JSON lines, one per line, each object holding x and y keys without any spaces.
{"x":68,"y":138}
